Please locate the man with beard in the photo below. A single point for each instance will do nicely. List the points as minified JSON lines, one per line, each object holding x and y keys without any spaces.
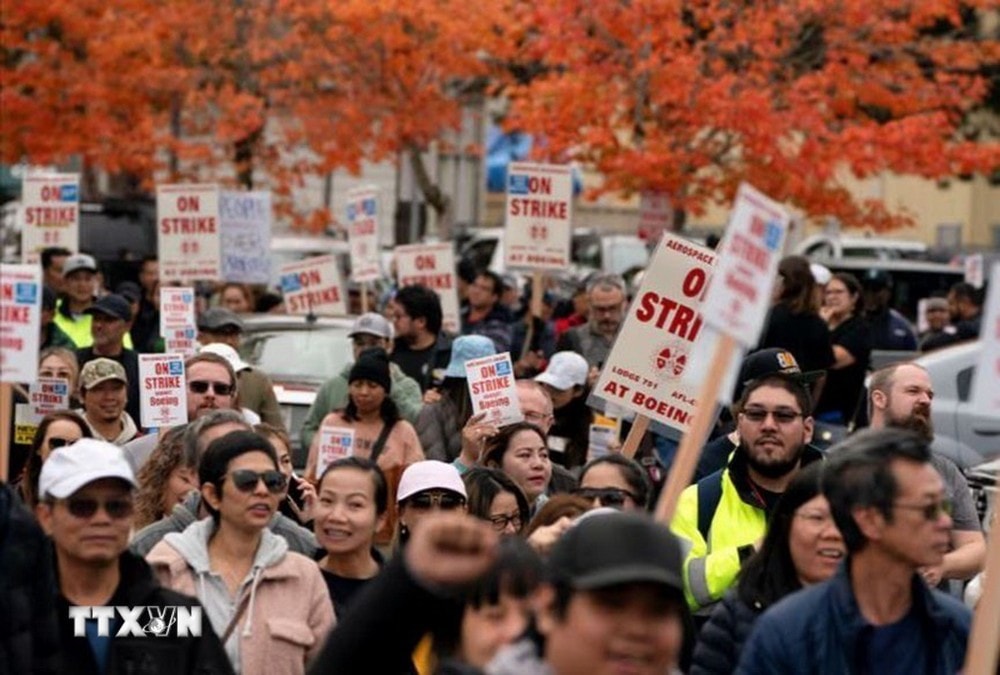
{"x":900,"y":397}
{"x":724,"y":516}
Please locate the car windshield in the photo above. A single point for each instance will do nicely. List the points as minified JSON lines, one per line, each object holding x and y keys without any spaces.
{"x":306,"y":355}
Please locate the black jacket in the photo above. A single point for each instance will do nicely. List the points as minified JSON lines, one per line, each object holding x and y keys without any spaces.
{"x":388,"y":619}
{"x":29,"y":633}
{"x":721,"y":639}
{"x":147,"y":655}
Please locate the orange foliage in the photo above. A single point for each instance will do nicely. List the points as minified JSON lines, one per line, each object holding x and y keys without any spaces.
{"x":693,"y":97}
{"x":262,"y":93}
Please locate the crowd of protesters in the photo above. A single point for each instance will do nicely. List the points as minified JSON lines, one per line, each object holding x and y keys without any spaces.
{"x":446,"y":544}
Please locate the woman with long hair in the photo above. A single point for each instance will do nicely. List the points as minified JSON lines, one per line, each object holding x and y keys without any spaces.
{"x":843,"y":310}
{"x":380,"y":434}
{"x":351,"y":507}
{"x":62,"y":363}
{"x":164,"y":480}
{"x":802,"y":547}
{"x":442,"y":419}
{"x":300,"y":495}
{"x":794,"y":322}
{"x":268,"y":605}
{"x":56,"y":430}
{"x":494,"y":497}
{"x":520,"y":451}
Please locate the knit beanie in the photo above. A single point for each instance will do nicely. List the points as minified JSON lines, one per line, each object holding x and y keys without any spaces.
{"x":372,"y":365}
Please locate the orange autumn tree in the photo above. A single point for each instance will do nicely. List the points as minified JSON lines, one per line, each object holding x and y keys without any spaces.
{"x":691,"y":98}
{"x":261,"y":94}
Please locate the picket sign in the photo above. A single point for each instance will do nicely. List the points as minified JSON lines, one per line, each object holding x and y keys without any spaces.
{"x":735,"y":304}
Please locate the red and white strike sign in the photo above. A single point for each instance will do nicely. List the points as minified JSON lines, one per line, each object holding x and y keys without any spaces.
{"x":538,"y":220}
{"x":50,"y":213}
{"x":162,"y":390}
{"x":313,"y":286}
{"x":433,"y":266}
{"x":363,"y":233}
{"x":187,"y":218}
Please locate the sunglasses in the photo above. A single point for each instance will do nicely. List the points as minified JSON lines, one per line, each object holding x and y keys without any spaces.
{"x":56,"y":442}
{"x":781,"y":415}
{"x":613,"y":497}
{"x":84,"y":507}
{"x":219,"y":388}
{"x":446,"y":501}
{"x":246,"y":480}
{"x":501,"y":522}
{"x":931,"y":511}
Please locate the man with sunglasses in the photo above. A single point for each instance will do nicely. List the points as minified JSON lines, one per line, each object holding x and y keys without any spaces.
{"x":876,"y":615}
{"x":724,"y":515}
{"x":900,"y":397}
{"x":87,"y":508}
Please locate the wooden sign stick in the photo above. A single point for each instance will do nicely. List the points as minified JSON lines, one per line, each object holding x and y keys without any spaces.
{"x":6,"y":406}
{"x":534,"y":309}
{"x":639,"y":427}
{"x":686,"y":460}
{"x":364,"y":297}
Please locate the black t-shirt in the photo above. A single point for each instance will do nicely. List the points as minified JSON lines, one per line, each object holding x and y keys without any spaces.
{"x":342,"y":590}
{"x":805,"y":335}
{"x":843,"y":386}
{"x":416,"y":363}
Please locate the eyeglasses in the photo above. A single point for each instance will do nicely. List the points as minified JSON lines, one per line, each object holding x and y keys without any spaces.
{"x":84,"y":507}
{"x":218,"y":388}
{"x":446,"y":501}
{"x":56,"y":442}
{"x":931,"y":511}
{"x":501,"y":521}
{"x":538,"y":418}
{"x":781,"y":415}
{"x":246,"y":480}
{"x":613,"y":497}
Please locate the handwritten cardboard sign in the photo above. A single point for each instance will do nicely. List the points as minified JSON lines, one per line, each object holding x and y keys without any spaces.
{"x":245,"y":236}
{"x":187,"y":227}
{"x":538,"y":219}
{"x":50,"y":213}
{"x":491,"y":387}
{"x":162,"y":390}
{"x":433,"y":266}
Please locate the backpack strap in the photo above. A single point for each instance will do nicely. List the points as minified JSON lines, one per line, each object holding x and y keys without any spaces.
{"x":380,"y":441}
{"x":709,"y":496}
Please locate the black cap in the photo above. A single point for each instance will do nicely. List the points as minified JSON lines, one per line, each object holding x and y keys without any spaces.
{"x":218,"y":318}
{"x":112,"y":305}
{"x":607,"y":549}
{"x":876,"y":279}
{"x":130,"y":291}
{"x":770,"y":362}
{"x":372,"y":365}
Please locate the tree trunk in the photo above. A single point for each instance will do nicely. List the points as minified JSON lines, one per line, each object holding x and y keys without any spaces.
{"x":438,"y":200}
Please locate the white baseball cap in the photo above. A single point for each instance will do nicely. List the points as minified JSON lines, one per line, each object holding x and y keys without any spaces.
{"x":227,"y":352}
{"x":565,"y":370}
{"x":429,"y":474}
{"x":71,"y":467}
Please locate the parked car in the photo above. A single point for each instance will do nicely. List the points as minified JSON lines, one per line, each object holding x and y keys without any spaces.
{"x":968,"y":438}
{"x":299,"y":354}
{"x":590,"y":251}
{"x":833,"y":246}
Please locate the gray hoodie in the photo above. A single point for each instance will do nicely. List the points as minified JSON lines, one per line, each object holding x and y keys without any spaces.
{"x":299,"y":538}
{"x":192,"y":545}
